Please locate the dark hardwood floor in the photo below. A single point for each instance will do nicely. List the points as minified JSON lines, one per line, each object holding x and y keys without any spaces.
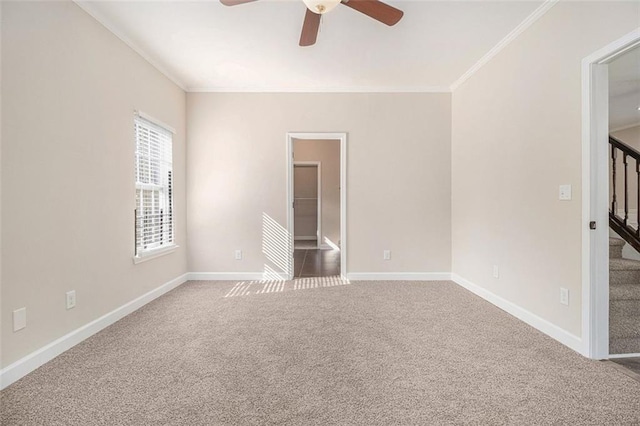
{"x":316,"y":263}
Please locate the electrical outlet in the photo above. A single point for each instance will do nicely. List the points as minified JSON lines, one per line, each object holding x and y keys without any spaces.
{"x":238,"y":255}
{"x":564,"y":296}
{"x":19,"y":319}
{"x":71,"y":299}
{"x":496,"y":271}
{"x":386,"y":255}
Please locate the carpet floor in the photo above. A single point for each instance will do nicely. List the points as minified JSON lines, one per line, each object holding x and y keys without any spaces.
{"x":321,"y":352}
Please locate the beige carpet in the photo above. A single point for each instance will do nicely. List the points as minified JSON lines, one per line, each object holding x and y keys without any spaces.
{"x":321,"y":353}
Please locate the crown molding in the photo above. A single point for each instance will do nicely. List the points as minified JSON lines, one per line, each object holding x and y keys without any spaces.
{"x":369,"y":89}
{"x":524,"y":25}
{"x":86,"y":6}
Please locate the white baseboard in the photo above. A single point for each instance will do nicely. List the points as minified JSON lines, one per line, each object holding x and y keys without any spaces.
{"x":236,"y":276}
{"x":616,"y":356}
{"x":399,"y":276}
{"x":29,"y":363}
{"x":26,"y":365}
{"x":356,"y":276}
{"x":561,"y":335}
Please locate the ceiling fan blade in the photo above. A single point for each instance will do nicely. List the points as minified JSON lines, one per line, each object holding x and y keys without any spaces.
{"x":235,"y":2}
{"x":310,"y":29}
{"x":377,"y":10}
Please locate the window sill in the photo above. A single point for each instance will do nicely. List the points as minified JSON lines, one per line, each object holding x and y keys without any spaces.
{"x":155,"y":253}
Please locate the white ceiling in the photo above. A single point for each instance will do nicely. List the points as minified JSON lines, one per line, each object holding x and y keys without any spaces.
{"x":205,"y":46}
{"x":624,"y":90}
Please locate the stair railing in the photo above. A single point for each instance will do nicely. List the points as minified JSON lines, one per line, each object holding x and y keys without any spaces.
{"x":621,"y":224}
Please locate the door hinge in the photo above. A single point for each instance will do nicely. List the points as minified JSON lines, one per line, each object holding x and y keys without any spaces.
{"x":592,"y":224}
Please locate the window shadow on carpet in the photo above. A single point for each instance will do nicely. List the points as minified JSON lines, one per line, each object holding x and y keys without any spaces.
{"x":252,"y":288}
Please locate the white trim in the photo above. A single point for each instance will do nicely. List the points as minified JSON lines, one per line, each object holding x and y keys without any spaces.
{"x":29,"y":363}
{"x":343,"y":89}
{"x":619,"y":129}
{"x":225,"y":276}
{"x":154,"y":121}
{"x":530,"y":20}
{"x":561,"y":335}
{"x":595,"y":195}
{"x":342,"y":137}
{"x":317,"y":164}
{"x":356,"y":276}
{"x":234,"y":276}
{"x":611,"y":51}
{"x":86,"y":6}
{"x":618,"y":356}
{"x":399,"y":276}
{"x":154,"y":253}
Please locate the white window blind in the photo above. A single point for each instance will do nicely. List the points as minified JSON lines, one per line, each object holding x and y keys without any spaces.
{"x":154,"y":187}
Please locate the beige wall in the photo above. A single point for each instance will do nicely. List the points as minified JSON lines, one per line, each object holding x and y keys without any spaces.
{"x":398,"y":179}
{"x":1,"y":311}
{"x":516,"y":137}
{"x":69,"y":91}
{"x":629,"y":136}
{"x":328,"y":153}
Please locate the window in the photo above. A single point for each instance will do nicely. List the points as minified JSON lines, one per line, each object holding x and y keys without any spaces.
{"x":154,"y":188}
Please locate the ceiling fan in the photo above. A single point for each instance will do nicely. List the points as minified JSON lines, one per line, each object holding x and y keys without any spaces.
{"x":375,"y":9}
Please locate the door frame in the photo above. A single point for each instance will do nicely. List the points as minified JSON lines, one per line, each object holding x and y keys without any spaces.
{"x":595,"y":195}
{"x":342,"y":137}
{"x":318,"y":165}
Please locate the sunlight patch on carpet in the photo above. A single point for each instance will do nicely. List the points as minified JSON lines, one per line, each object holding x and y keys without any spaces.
{"x":248,"y":288}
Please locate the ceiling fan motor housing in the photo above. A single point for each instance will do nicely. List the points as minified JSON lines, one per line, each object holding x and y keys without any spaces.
{"x":321,"y":6}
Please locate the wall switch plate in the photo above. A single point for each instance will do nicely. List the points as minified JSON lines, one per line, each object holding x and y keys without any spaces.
{"x":238,"y":255}
{"x":565,"y":192}
{"x":564,"y":296}
{"x":496,"y":271}
{"x":386,"y":254}
{"x":71,"y":299}
{"x":19,"y":319}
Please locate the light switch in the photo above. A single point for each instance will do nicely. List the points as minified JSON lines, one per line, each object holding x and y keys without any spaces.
{"x":565,"y":192}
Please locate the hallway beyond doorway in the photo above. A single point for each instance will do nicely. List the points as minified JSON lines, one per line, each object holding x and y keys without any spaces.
{"x":313,"y":262}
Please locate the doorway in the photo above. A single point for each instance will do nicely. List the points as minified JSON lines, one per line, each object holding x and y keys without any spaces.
{"x":316,"y":204}
{"x":597,"y":188}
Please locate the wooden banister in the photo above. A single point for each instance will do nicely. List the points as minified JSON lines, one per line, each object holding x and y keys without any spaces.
{"x":619,"y":224}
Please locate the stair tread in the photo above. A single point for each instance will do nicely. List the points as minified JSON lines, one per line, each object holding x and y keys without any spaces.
{"x":624,"y":345}
{"x":624,"y":292}
{"x":626,"y":327}
{"x":616,"y":242}
{"x":624,"y":265}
